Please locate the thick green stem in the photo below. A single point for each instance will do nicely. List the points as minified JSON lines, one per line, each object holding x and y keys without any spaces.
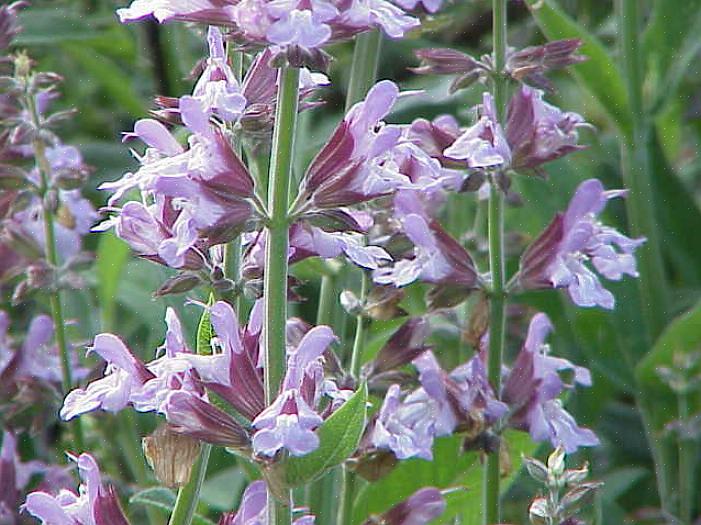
{"x":366,"y":56}
{"x":497,"y":303}
{"x":275,"y":285}
{"x":188,"y":496}
{"x":638,"y":177}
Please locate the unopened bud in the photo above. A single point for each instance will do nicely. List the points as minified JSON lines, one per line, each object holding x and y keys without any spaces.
{"x":171,"y":456}
{"x":181,"y":283}
{"x":556,"y":462}
{"x":23,"y":65}
{"x":40,"y":275}
{"x":70,"y":179}
{"x":536,"y":469}
{"x":539,"y":512}
{"x":351,"y":304}
{"x":12,"y":178}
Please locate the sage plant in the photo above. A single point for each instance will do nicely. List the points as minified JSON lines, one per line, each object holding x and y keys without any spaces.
{"x":282,"y":396}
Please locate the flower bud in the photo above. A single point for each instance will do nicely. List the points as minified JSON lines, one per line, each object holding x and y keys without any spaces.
{"x":171,"y":456}
{"x":536,"y":469}
{"x":556,"y":462}
{"x":181,"y":283}
{"x":70,"y":179}
{"x":12,"y":178}
{"x":40,"y":275}
{"x":351,"y":304}
{"x":539,"y":512}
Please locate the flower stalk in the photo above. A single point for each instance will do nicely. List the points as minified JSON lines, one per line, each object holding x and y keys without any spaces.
{"x":276,"y":266}
{"x":497,"y":303}
{"x":44,"y":168}
{"x":188,"y":496}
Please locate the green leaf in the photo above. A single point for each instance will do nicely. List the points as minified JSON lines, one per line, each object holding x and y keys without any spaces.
{"x":450,"y":467}
{"x":599,"y":74}
{"x":112,"y":79}
{"x":339,"y":436}
{"x":682,"y":336}
{"x":671,"y":41}
{"x":112,"y":257}
{"x":163,"y":499}
{"x":51,"y":25}
{"x":205,"y":330}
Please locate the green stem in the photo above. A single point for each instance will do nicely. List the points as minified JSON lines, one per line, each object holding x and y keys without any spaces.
{"x":366,"y":57}
{"x":188,"y":496}
{"x":52,"y":258}
{"x":497,"y":303}
{"x":345,"y":507}
{"x":275,"y":284}
{"x":687,"y":462}
{"x":360,"y":325}
{"x":638,"y":177}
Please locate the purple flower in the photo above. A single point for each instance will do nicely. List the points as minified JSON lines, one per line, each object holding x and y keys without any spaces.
{"x":75,"y":213}
{"x":403,"y":347}
{"x":351,"y":167}
{"x":202,"y":196}
{"x":289,"y":422}
{"x":435,"y":136}
{"x":443,"y":403}
{"x":233,"y":370}
{"x":483,"y":145}
{"x":9,"y":23}
{"x":538,"y":132}
{"x":558,"y":257}
{"x":420,"y":508}
{"x":128,"y":381}
{"x":306,"y":24}
{"x":38,"y":358}
{"x":253,"y":508}
{"x":531,"y":389}
{"x":94,"y":504}
{"x":217,"y":90}
{"x":432,"y":6}
{"x":438,"y":258}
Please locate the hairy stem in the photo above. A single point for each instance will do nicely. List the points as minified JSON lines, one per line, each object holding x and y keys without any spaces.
{"x":497,"y":303}
{"x":188,"y":496}
{"x":275,"y":285}
{"x":52,"y":258}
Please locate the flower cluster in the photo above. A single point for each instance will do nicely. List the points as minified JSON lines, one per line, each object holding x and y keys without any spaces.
{"x":282,"y":24}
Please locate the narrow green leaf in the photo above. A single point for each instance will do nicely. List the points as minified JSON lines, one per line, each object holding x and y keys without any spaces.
{"x":339,"y":436}
{"x":205,"y":331}
{"x":599,"y":74}
{"x":671,"y":41}
{"x":116,"y":83}
{"x":112,"y":257}
{"x":163,"y":499}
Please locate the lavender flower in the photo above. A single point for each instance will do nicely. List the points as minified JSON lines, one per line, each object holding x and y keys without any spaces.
{"x":217,"y":90}
{"x":444,"y":402}
{"x":533,"y":385}
{"x":351,"y":167}
{"x":129,"y":381}
{"x":283,"y":23}
{"x":483,"y":145}
{"x":202,"y":196}
{"x":421,"y":507}
{"x":289,"y":422}
{"x":438,"y":258}
{"x":95,"y":503}
{"x":253,"y":508}
{"x":538,"y":132}
{"x":558,"y":257}
{"x":9,"y":24}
